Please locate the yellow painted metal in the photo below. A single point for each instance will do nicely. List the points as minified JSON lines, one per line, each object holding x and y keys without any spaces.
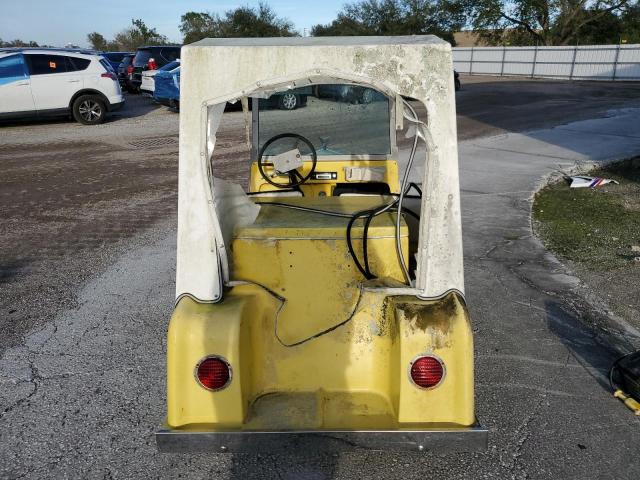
{"x":354,"y":376}
{"x":631,"y":404}
{"x":338,"y":166}
{"x":310,"y":264}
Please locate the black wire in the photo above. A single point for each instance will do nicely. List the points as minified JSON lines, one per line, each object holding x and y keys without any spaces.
{"x":369,"y":214}
{"x":321,"y":333}
{"x":307,"y":209}
{"x":411,"y":213}
{"x":365,"y":241}
{"x":352,"y":219}
{"x":285,"y":190}
{"x":350,"y":243}
{"x":613,"y":368}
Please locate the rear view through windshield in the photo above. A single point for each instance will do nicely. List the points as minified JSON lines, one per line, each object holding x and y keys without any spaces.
{"x":336,"y":119}
{"x":170,"y":66}
{"x":142,"y":58}
{"x":161,"y":55}
{"x":115,"y":56}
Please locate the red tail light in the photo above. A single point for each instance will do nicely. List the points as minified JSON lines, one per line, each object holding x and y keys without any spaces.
{"x":110,"y":75}
{"x":213,"y":373}
{"x":427,"y":371}
{"x":129,"y":69}
{"x":152,"y":64}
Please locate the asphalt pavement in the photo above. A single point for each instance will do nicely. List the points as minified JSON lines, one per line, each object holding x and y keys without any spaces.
{"x":82,"y":393}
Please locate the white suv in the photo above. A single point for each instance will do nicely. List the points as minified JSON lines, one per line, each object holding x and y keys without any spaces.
{"x":42,"y":83}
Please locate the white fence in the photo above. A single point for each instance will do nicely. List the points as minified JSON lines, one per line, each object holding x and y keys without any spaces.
{"x":593,"y":62}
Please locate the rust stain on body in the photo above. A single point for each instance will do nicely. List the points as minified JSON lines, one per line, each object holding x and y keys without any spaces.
{"x":435,"y":319}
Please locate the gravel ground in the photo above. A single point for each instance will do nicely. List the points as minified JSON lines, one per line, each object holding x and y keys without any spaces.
{"x":73,"y":195}
{"x":72,"y":198}
{"x":86,"y":283}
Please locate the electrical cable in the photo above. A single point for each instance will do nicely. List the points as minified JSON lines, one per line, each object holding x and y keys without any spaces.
{"x":613,"y":368}
{"x":284,"y":190}
{"x":352,"y":219}
{"x":350,"y":243}
{"x":369,"y":214}
{"x":363,"y":267}
{"x":319,"y":334}
{"x":405,"y":186}
{"x":365,"y":236}
{"x":307,"y":209}
{"x":365,"y":244}
{"x":405,"y":180}
{"x":283,"y":301}
{"x":417,"y":187}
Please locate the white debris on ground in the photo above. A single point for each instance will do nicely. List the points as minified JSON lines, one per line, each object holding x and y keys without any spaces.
{"x":591,"y":182}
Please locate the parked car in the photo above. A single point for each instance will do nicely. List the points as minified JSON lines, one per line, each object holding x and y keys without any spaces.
{"x":289,"y":100}
{"x":115,"y":58}
{"x":147,"y":86}
{"x":151,"y":58}
{"x":45,"y":83}
{"x":348,"y":93}
{"x":123,"y":72}
{"x":167,"y":87}
{"x":85,"y":51}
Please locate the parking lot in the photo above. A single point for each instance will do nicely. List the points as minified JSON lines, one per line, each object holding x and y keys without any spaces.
{"x":72,"y":195}
{"x":87,"y":238}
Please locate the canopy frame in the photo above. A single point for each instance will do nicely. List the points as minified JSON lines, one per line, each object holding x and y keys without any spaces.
{"x":203,"y":267}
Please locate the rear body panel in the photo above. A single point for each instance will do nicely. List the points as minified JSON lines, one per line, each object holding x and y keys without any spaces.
{"x":354,"y":378}
{"x":147,"y":86}
{"x":309,"y":348}
{"x":313,"y":350}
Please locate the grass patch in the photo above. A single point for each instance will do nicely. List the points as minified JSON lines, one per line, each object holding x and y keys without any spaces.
{"x":595,"y":227}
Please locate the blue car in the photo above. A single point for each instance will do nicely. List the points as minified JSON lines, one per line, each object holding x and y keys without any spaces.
{"x":114,"y":58}
{"x":167,"y":88}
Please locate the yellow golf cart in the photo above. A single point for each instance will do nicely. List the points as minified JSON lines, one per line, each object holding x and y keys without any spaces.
{"x":323,"y":303}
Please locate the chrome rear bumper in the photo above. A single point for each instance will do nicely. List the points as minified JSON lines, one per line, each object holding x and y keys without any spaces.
{"x":444,"y":440}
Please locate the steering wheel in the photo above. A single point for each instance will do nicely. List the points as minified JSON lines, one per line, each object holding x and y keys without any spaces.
{"x":295,"y":177}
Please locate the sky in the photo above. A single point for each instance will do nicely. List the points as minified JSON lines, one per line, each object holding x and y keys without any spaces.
{"x":58,"y":22}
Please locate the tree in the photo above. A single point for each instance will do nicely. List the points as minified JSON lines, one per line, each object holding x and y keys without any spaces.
{"x":18,"y":43}
{"x":98,"y":42}
{"x":543,"y":22}
{"x":396,"y":17}
{"x":240,"y":22}
{"x":138,"y":35}
{"x":608,"y":29}
{"x":128,"y":39}
{"x":630,"y":32}
{"x":196,"y":26}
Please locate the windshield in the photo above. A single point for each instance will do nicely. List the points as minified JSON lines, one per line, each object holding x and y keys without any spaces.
{"x":106,"y":65}
{"x":115,"y":56}
{"x":170,"y":66}
{"x":337,"y":119}
{"x":141,"y":58}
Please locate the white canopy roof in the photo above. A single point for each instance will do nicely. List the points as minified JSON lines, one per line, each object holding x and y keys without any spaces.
{"x":217,"y":70}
